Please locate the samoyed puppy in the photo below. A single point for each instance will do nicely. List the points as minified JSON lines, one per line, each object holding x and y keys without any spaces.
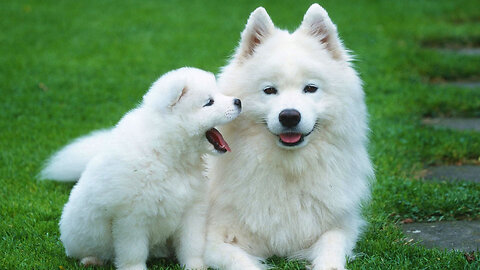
{"x":142,"y":181}
{"x":300,"y":170}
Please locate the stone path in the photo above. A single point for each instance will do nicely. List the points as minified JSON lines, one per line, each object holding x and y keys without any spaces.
{"x":453,"y":173}
{"x":451,"y":235}
{"x":464,"y":51}
{"x":461,"y":84}
{"x":454,"y":123}
{"x":468,"y":51}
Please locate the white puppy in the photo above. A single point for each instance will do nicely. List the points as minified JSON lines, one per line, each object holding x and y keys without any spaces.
{"x":142,"y":181}
{"x":300,"y":170}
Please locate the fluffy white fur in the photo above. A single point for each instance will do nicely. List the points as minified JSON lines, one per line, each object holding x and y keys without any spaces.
{"x":301,"y":201}
{"x":142,"y":181}
{"x":63,"y":166}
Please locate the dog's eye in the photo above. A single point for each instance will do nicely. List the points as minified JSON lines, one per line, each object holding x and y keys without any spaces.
{"x":209,"y":103}
{"x":270,"y":90}
{"x":310,"y":88}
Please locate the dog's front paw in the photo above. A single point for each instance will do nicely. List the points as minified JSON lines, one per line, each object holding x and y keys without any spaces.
{"x":327,"y":266}
{"x":195,"y":264}
{"x":140,"y":266}
{"x":315,"y":267}
{"x":246,"y":265}
{"x":91,"y":261}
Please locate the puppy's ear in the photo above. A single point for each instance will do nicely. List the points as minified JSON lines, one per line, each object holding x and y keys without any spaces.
{"x":259,"y":27}
{"x":317,"y":23}
{"x":166,"y":92}
{"x":177,"y":96}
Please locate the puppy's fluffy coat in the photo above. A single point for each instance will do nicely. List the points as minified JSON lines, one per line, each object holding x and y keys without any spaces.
{"x":293,"y":186}
{"x":141,"y":182}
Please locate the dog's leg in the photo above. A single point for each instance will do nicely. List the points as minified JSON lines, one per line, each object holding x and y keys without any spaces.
{"x":130,"y":241}
{"x":91,"y":261}
{"x":190,"y":237}
{"x":222,"y":255}
{"x":330,"y":251}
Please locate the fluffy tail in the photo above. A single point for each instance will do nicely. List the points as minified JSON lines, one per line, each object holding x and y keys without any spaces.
{"x":69,"y":163}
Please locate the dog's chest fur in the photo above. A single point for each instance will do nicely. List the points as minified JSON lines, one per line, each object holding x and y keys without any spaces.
{"x":283,"y":213}
{"x":164,"y":189}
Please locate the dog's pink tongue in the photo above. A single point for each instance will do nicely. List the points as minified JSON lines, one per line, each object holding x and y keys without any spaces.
{"x":290,"y":137}
{"x":216,"y":139}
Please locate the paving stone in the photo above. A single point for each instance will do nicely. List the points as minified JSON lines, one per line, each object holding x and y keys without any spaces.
{"x":454,"y":123}
{"x":464,"y":51}
{"x":462,"y":84}
{"x":450,"y":235}
{"x":453,"y":173}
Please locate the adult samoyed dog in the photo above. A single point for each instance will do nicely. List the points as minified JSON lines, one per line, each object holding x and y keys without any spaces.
{"x":142,"y":182}
{"x":299,"y":171}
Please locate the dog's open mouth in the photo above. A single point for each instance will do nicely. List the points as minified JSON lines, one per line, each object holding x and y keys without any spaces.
{"x":291,"y":139}
{"x":216,"y":139}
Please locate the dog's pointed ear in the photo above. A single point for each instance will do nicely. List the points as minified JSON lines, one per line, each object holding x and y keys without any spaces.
{"x":176,"y":96}
{"x":166,"y":92}
{"x":318,"y":24}
{"x":259,"y":27}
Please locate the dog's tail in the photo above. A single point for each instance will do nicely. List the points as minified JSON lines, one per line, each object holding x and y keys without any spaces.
{"x":68,"y":164}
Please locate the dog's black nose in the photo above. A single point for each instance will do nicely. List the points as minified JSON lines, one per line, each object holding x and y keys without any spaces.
{"x":289,"y":117}
{"x":237,"y":103}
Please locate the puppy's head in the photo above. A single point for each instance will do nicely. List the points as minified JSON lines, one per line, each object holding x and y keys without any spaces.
{"x":189,"y":97}
{"x":295,"y":83}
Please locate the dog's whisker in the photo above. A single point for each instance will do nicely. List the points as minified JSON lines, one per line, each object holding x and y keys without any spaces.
{"x":261,"y":121}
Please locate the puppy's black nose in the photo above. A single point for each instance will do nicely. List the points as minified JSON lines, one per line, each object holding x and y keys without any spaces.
{"x":289,"y":117}
{"x":237,"y":103}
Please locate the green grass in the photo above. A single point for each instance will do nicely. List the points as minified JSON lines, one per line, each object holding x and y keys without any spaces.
{"x":68,"y":67}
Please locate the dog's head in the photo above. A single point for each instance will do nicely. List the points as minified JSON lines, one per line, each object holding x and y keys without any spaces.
{"x":191,"y":98}
{"x":294,"y":83}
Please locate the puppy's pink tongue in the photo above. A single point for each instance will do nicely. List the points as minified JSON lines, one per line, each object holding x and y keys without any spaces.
{"x":290,"y":137}
{"x":216,"y":139}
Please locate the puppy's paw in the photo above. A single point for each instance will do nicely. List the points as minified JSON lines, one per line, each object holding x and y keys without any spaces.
{"x":91,"y":261}
{"x":195,"y":264}
{"x":326,"y":267}
{"x":247,"y":265}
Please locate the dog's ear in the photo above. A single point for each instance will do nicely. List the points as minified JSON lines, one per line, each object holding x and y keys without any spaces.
{"x":166,"y":92}
{"x":259,"y":27}
{"x":318,"y":24}
{"x":177,"y":96}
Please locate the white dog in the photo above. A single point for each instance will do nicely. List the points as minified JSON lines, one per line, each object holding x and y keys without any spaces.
{"x":142,"y":181}
{"x":300,"y":170}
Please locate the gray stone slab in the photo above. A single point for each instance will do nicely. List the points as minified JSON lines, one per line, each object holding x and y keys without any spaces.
{"x":454,"y":123}
{"x":463,"y":51}
{"x":453,"y":173}
{"x":462,"y":84}
{"x":450,"y":235}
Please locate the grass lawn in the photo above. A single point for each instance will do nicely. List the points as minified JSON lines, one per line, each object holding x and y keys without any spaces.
{"x":68,"y":67}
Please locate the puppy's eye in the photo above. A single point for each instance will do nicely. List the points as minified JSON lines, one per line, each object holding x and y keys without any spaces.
{"x":310,"y":88}
{"x":209,"y":103}
{"x":270,"y":90}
